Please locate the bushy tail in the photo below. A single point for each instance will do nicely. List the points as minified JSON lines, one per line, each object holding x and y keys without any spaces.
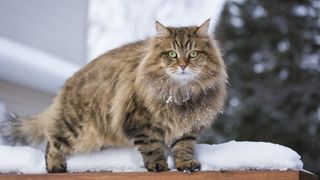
{"x":21,"y":131}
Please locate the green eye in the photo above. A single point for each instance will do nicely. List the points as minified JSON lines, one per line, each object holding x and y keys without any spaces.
{"x":193,"y":54}
{"x":172,"y":54}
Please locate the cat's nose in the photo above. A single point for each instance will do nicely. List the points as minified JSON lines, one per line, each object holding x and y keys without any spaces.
{"x":183,"y":67}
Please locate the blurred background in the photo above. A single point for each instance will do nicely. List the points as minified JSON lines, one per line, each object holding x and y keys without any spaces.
{"x":271,"y":48}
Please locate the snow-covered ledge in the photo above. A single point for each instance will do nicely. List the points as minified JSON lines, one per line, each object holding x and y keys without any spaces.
{"x":32,"y":67}
{"x":222,"y":157}
{"x":231,"y":160}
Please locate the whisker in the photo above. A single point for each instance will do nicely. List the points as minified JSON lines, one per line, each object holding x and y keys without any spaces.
{"x":165,"y":75}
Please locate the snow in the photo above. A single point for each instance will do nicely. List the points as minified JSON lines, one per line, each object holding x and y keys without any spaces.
{"x":300,"y":10}
{"x":259,"y":12}
{"x":283,"y":46}
{"x":248,"y":155}
{"x":169,"y":99}
{"x":228,"y":156}
{"x":21,"y":159}
{"x":236,"y":22}
{"x":115,"y":159}
{"x":284,"y":74}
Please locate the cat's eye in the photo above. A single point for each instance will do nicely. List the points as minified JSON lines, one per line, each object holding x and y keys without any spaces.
{"x":193,"y":54}
{"x":172,"y":54}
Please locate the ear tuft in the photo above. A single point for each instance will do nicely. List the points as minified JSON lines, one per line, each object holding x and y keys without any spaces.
{"x":162,"y":31}
{"x":203,"y":29}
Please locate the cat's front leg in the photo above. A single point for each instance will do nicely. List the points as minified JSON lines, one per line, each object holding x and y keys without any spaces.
{"x":149,"y":140}
{"x":183,"y":149}
{"x":151,"y":147}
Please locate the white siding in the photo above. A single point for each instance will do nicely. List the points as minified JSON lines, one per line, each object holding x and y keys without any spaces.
{"x":55,"y":26}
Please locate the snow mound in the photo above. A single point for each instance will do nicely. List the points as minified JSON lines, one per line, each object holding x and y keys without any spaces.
{"x":228,"y":156}
{"x":248,"y":156}
{"x":21,"y":160}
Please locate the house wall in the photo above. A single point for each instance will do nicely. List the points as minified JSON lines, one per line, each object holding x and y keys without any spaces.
{"x":23,"y":100}
{"x":55,"y":26}
{"x":42,"y":43}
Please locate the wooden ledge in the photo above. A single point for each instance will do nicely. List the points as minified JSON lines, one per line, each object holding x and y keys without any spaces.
{"x":216,"y":175}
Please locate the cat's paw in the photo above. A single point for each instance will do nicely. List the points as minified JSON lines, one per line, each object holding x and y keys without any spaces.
{"x":188,"y":166}
{"x":158,"y":166}
{"x":57,"y":169}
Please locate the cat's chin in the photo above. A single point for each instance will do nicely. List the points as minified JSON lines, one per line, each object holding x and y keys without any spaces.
{"x":182,"y":78}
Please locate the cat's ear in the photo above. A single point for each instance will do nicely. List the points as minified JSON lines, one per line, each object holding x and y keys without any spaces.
{"x":203,"y":29}
{"x":162,"y":30}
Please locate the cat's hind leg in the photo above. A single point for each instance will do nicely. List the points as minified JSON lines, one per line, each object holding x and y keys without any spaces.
{"x":55,"y":158}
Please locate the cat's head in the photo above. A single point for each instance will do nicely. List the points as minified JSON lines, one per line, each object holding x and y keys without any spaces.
{"x":183,"y":55}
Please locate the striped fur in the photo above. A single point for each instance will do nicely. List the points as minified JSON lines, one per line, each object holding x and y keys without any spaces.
{"x":126,"y":98}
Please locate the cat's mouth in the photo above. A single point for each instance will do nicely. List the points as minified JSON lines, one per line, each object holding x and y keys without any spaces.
{"x":182,"y":75}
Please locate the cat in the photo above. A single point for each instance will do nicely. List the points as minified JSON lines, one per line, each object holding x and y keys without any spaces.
{"x":153,"y":94}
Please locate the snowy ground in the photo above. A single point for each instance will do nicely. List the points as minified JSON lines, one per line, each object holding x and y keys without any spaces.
{"x":228,"y":156}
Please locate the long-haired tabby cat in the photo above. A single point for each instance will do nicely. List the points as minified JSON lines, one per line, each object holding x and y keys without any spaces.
{"x":151,"y":94}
